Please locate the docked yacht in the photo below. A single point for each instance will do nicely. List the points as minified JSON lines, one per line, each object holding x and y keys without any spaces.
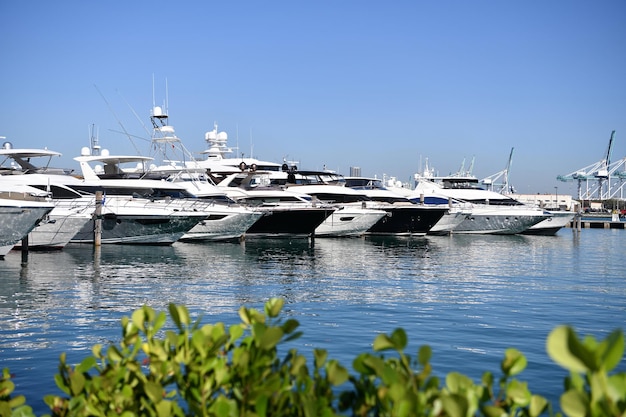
{"x":131,"y":212}
{"x":287,"y":213}
{"x":64,"y":221}
{"x":21,"y":209}
{"x":558,"y":219}
{"x":175,"y":164}
{"x":352,"y":216}
{"x":403,"y":216}
{"x":453,"y":217}
{"x":491,"y":212}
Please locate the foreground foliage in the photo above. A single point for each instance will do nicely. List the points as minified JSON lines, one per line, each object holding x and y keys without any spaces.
{"x":212,"y":370}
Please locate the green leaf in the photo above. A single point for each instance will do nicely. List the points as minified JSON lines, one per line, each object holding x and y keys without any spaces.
{"x":17,"y":401}
{"x":139,"y":317}
{"x":96,"y":351}
{"x":455,"y":405}
{"x":183,"y":314}
{"x":382,"y":342}
{"x":538,"y":405}
{"x":320,"y":356}
{"x":513,"y":363}
{"x":337,"y":374}
{"x":493,"y":411}
{"x":161,"y":318}
{"x":244,"y":315}
{"x":424,"y":354}
{"x":585,"y":351}
{"x":261,"y":405}
{"x":164,"y":409}
{"x":617,"y":387}
{"x":270,"y":338}
{"x":487,"y":379}
{"x":518,"y":393}
{"x":273,"y":307}
{"x":574,"y":403}
{"x":154,"y":391}
{"x":77,"y":383}
{"x":457,"y":382}
{"x":236,"y":331}
{"x":290,"y":325}
{"x":399,"y":338}
{"x":613,"y":350}
{"x":87,"y":363}
{"x":559,"y":349}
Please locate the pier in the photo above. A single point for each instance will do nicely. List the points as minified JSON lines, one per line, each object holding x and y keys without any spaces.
{"x":597,"y":224}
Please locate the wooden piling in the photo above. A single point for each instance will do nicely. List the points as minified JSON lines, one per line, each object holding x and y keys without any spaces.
{"x":97,"y":228}
{"x":25,"y":249}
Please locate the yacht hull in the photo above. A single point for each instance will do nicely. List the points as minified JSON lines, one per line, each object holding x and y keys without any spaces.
{"x":222,"y":225}
{"x":349,"y":221}
{"x":17,"y":220}
{"x":499,"y":220}
{"x":407,"y":220}
{"x":289,"y":222}
{"x":139,"y":229}
{"x":56,"y":230}
{"x":448,"y":222}
{"x":551,"y":225}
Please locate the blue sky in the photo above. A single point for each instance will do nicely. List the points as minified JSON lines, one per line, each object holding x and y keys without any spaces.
{"x":379,"y":85}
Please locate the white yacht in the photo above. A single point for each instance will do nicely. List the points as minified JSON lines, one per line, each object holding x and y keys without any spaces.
{"x":453,"y":217}
{"x":21,"y":209}
{"x":404,"y":217}
{"x":287,"y":213}
{"x":352,"y":216}
{"x":491,"y":212}
{"x":558,"y":219}
{"x":175,"y":164}
{"x":131,"y":213}
{"x":64,"y":221}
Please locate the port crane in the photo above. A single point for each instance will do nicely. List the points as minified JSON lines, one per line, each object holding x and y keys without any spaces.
{"x":602,"y":180}
{"x":503,"y":187}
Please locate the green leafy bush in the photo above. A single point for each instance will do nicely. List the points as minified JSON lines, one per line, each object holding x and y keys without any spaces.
{"x":212,"y":370}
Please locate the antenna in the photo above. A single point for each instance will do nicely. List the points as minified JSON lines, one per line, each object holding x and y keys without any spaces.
{"x":116,"y":118}
{"x":251,"y":146}
{"x":136,"y":116}
{"x":153,"y":103}
{"x":167,"y":100}
{"x":93,"y":137}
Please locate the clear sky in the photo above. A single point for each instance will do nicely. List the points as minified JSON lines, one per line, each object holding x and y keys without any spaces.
{"x":379,"y":85}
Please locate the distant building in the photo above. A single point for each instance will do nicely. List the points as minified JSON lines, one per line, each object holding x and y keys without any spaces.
{"x":355,"y":171}
{"x":548,"y":201}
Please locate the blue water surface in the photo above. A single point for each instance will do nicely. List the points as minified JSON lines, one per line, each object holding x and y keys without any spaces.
{"x":468,"y":297}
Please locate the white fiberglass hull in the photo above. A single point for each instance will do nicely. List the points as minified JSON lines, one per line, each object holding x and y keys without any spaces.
{"x":57,"y":229}
{"x":449,"y":221}
{"x":500,"y":220}
{"x":551,"y":225}
{"x":349,"y":221}
{"x":223,"y":223}
{"x":17,"y":219}
{"x":127,"y":220}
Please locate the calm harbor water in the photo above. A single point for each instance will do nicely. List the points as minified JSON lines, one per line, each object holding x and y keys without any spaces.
{"x":468,"y":297}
